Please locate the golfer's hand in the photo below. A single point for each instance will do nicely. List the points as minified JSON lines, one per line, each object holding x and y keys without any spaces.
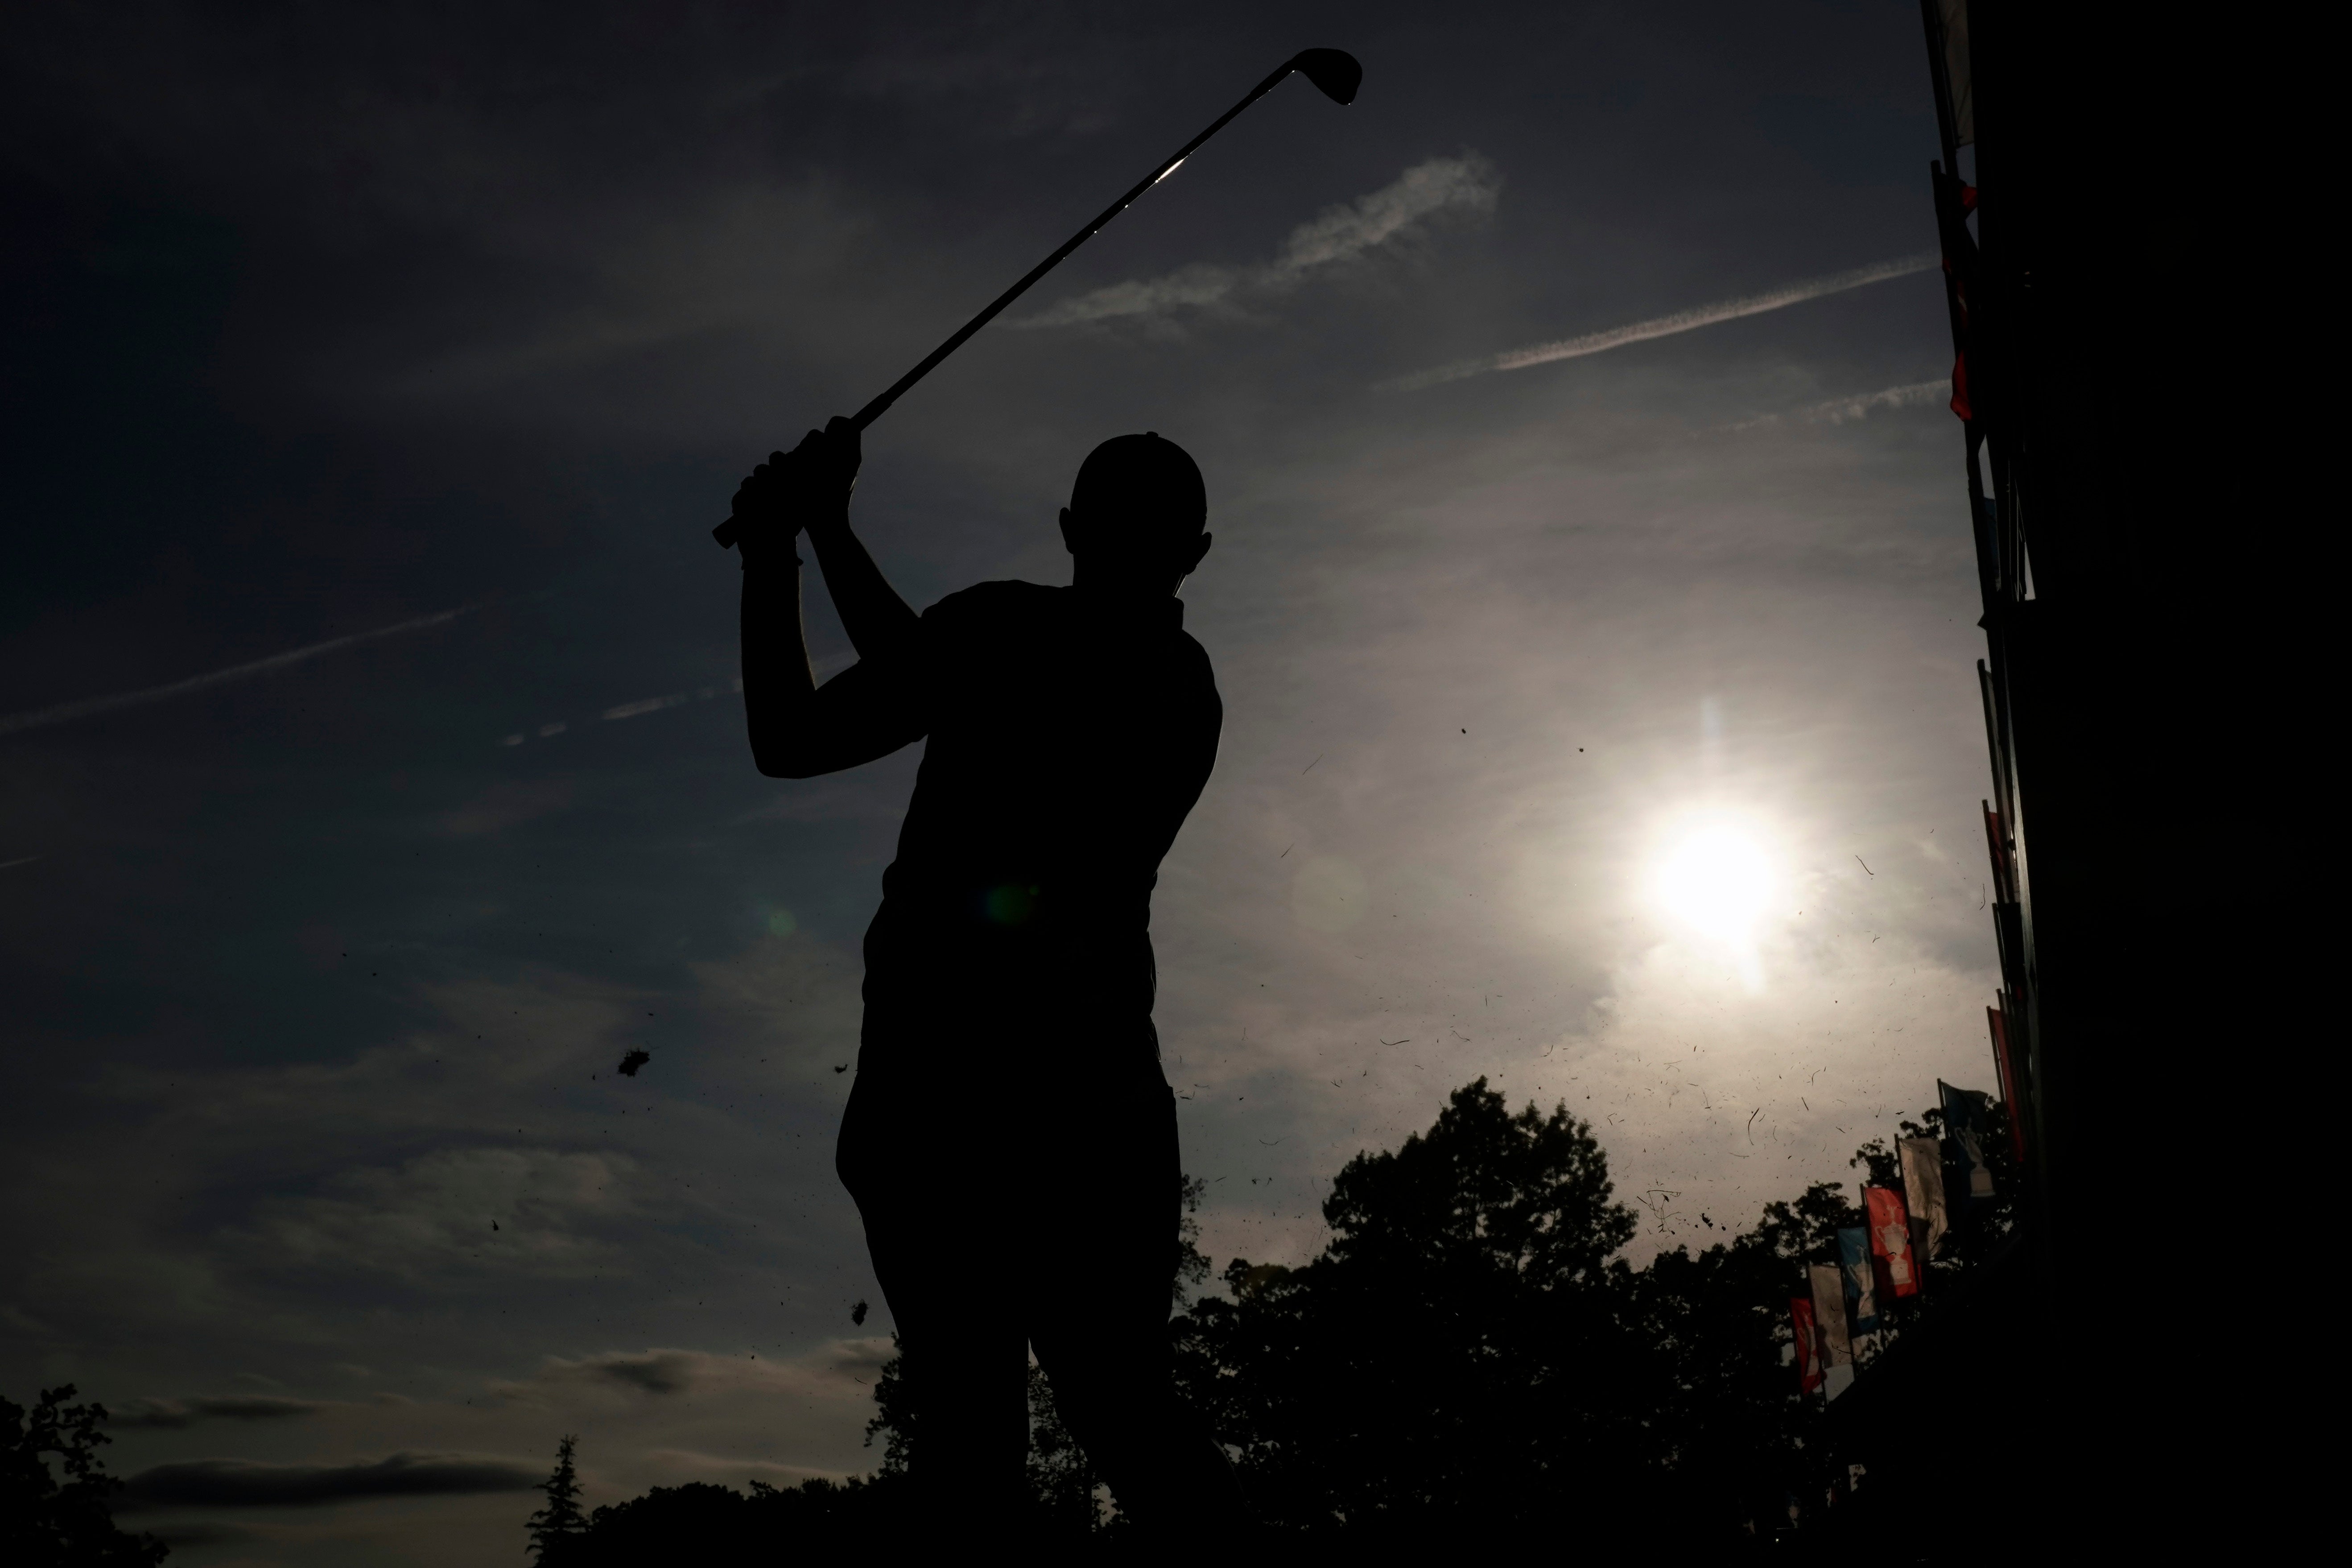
{"x":830,"y":458}
{"x":806,"y":487}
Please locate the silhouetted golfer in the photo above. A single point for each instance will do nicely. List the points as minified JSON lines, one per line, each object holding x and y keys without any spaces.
{"x":1010,"y":1140}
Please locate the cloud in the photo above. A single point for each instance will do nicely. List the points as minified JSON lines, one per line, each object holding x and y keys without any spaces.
{"x":201,"y":1534}
{"x":434,"y":1212}
{"x":505,"y":805}
{"x":246,"y":1483}
{"x":643,"y":1371}
{"x":799,"y":999}
{"x":40,"y":717}
{"x":1840,"y":410}
{"x":666,"y":1373}
{"x":1686,"y":320}
{"x":172,"y":1415}
{"x":645,"y":705}
{"x":701,"y":264}
{"x":1340,"y":234}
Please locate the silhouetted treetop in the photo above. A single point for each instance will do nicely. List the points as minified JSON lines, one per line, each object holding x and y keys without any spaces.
{"x":46,"y":1522}
{"x":556,"y":1528}
{"x":1527,"y":1192}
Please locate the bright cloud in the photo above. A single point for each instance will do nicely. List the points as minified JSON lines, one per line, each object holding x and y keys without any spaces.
{"x":510,"y":1210}
{"x":1339,"y":235}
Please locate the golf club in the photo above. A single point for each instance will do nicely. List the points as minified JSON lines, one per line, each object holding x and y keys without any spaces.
{"x":1335,"y":74}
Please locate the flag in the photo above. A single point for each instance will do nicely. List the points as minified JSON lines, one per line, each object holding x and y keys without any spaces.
{"x":1964,"y":1118}
{"x":1890,"y":1239}
{"x":1996,"y":836}
{"x":2005,"y":1062}
{"x":1954,"y":69}
{"x":1860,"y":1289}
{"x":1809,"y":1356}
{"x":1829,"y":1314}
{"x":1923,"y":1187}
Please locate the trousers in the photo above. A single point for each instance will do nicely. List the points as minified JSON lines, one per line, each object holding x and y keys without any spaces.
{"x":1045,"y":1221}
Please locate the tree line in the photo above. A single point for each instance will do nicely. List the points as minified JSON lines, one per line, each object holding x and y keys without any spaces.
{"x":1471,"y":1356}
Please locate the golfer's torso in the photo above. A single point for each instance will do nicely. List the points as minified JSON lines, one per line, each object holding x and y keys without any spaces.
{"x":1066,"y":742}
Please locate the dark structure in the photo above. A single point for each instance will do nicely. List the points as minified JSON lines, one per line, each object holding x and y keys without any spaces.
{"x":2033,"y":1416}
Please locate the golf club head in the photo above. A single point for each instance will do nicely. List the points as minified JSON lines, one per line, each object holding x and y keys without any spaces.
{"x":1334,"y":72}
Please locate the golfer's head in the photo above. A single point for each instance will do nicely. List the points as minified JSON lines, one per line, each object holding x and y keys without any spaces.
{"x":1137,"y":513}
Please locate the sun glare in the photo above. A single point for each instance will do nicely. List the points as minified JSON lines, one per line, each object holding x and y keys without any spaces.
{"x":1718,"y":880}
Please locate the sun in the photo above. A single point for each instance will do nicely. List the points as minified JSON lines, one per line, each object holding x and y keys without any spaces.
{"x":1718,"y":881}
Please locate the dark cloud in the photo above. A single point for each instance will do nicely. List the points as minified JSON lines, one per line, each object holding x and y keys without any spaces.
{"x":174,"y":1413}
{"x":246,"y":1483}
{"x":193,"y":1533}
{"x":505,"y":805}
{"x":647,"y":1371}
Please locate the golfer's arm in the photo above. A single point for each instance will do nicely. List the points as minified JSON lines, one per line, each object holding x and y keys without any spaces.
{"x":878,"y":622}
{"x":778,"y":685}
{"x":798,"y":729}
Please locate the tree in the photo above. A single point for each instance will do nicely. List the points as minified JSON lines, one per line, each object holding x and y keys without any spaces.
{"x":1732,"y":1425}
{"x":556,"y":1530}
{"x":895,"y":1418}
{"x":48,"y":1523}
{"x":1459,"y":1358}
{"x":1192,"y":1263}
{"x":1061,"y":1482}
{"x":1471,"y":1357}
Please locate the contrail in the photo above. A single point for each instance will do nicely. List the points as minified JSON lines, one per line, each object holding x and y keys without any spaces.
{"x":1839,"y":410}
{"x":41,"y":717}
{"x":1666,"y":326}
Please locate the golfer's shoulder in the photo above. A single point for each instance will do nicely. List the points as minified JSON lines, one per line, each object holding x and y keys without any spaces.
{"x":1003,"y":600}
{"x":987,"y":609}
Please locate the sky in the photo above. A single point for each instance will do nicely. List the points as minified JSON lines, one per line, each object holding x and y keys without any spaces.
{"x":1592,"y":601}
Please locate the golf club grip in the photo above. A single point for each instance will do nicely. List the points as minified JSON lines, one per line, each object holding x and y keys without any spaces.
{"x":727,"y":532}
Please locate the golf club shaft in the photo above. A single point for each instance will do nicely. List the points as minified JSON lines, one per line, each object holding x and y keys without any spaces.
{"x":725,"y":532}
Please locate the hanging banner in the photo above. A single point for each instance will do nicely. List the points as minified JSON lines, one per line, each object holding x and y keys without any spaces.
{"x":1952,"y":56}
{"x":1829,"y":1314}
{"x":1997,"y":845}
{"x":1964,"y":1119}
{"x":1923,"y":1190}
{"x":2005,"y":1062}
{"x":1809,"y":1354}
{"x":1861,"y":1287}
{"x":1890,"y":1239}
